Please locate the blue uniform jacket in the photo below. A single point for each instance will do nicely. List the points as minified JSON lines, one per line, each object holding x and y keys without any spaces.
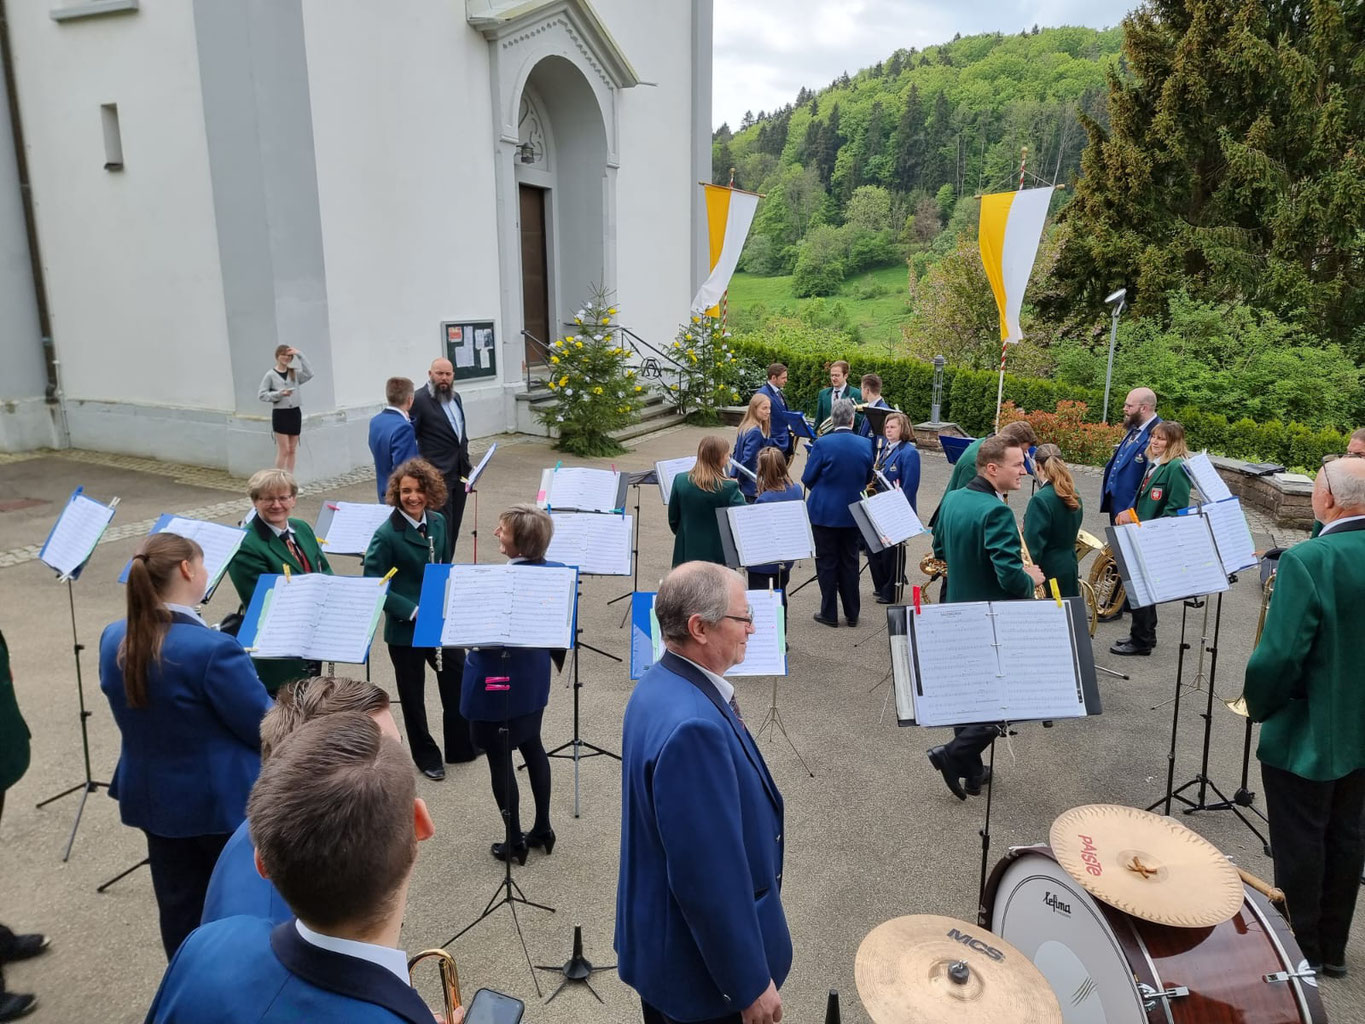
{"x":863,"y":428}
{"x":700,"y":929}
{"x":1125,"y":469}
{"x":392,"y":443}
{"x":792,"y":493}
{"x":839,"y":467}
{"x":901,"y":468}
{"x":236,"y":887}
{"x":190,"y":757}
{"x":778,"y":416}
{"x":244,"y":970}
{"x":528,"y":672}
{"x":745,"y":452}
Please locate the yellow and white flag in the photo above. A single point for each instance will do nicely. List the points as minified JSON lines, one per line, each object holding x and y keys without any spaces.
{"x":1011,"y":227}
{"x":729,"y":213}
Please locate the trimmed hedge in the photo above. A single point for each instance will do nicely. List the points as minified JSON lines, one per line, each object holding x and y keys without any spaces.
{"x":969,"y":401}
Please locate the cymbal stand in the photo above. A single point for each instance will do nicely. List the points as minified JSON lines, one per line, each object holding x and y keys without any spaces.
{"x":634,"y":562}
{"x":986,"y":830}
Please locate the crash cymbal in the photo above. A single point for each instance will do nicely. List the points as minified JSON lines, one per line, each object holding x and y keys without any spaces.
{"x":926,"y":969}
{"x":1147,"y":865}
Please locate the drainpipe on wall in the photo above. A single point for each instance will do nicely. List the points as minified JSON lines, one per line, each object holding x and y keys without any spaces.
{"x":54,"y":388}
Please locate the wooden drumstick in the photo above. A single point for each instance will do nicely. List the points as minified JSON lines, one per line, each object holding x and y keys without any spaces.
{"x":1264,"y":888}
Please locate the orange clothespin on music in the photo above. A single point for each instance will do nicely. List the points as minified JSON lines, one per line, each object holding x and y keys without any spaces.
{"x":1133,"y":513}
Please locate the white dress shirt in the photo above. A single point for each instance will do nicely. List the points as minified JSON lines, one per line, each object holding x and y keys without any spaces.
{"x":392,"y":960}
{"x":185,"y":609}
{"x":1329,"y":527}
{"x":723,"y":686}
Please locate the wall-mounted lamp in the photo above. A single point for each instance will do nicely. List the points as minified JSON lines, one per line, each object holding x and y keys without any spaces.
{"x":527,"y":153}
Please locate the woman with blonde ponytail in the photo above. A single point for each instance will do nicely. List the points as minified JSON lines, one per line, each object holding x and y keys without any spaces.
{"x":1052,"y":520}
{"x":188,"y":705}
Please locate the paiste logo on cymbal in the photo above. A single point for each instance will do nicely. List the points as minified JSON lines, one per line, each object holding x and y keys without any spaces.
{"x":972,"y":942}
{"x":1090,"y":855}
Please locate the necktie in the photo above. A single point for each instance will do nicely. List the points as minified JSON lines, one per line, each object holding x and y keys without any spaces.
{"x":734,"y":706}
{"x":296,"y":551}
{"x":422,"y":529}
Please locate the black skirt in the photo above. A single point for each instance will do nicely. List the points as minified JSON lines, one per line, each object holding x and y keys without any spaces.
{"x":287,"y":421}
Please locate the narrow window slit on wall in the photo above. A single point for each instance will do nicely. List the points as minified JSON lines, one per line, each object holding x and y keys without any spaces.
{"x":113,"y":138}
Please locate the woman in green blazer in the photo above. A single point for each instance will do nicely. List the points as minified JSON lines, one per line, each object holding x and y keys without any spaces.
{"x":14,"y":752}
{"x":409,"y":540}
{"x":1164,"y":492}
{"x":693,"y":502}
{"x":1052,"y":520}
{"x":274,"y":540}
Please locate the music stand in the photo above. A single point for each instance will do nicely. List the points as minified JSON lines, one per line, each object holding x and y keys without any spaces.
{"x":69,"y":573}
{"x":636,"y":480}
{"x":578,"y":968}
{"x":471,"y":486}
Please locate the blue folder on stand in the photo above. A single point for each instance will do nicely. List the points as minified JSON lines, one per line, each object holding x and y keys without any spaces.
{"x":431,"y":605}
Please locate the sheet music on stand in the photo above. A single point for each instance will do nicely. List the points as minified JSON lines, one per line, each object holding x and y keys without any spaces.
{"x":315,"y":616}
{"x":892,"y":517}
{"x":473,"y":480}
{"x":1206,"y":478}
{"x":776,"y":531}
{"x":1231,"y":534}
{"x":765,"y":654}
{"x":507,"y":605}
{"x":78,"y":529}
{"x":576,"y":489}
{"x":992,"y":661}
{"x":218,"y":542}
{"x":1167,"y":559}
{"x":668,"y":469}
{"x":596,"y":544}
{"x":350,"y":526}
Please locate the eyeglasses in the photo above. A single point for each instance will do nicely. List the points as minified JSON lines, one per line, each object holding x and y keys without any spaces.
{"x":276,"y":499}
{"x":748,"y":620}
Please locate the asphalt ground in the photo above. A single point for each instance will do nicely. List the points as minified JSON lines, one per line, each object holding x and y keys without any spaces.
{"x":873,"y":835}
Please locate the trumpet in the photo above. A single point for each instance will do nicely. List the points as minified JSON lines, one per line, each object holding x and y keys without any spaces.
{"x":450,"y":977}
{"x":1239,"y":705}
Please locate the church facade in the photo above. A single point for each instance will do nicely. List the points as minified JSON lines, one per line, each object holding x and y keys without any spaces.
{"x":194,"y":183}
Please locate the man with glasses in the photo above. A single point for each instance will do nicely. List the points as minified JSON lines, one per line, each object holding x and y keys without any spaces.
{"x":1355,"y":449}
{"x":1303,"y":685}
{"x":700,"y":930}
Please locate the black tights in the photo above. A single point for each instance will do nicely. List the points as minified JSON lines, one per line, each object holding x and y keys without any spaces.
{"x":498,"y":740}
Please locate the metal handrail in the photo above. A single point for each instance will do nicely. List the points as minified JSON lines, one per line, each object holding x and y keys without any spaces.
{"x":543,"y":348}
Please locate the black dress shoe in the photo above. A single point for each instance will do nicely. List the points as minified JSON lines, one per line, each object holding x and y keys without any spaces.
{"x":545,"y":840}
{"x":434,"y":774}
{"x":1126,"y":648}
{"x":885,"y":600}
{"x":1334,"y":970}
{"x":14,"y":1005}
{"x":851,"y":622}
{"x":824,"y":621}
{"x":938,"y":757}
{"x":25,"y":947}
{"x":517,"y":851}
{"x":973,"y":786}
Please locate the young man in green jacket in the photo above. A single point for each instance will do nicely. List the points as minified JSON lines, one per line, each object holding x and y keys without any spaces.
{"x":1303,"y":683}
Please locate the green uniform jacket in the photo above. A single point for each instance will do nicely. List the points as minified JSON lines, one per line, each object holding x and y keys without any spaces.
{"x":398,"y":545}
{"x":14,"y":733}
{"x":1050,"y":530}
{"x":1303,"y":681}
{"x":825,"y":401}
{"x":261,"y":554}
{"x":692,"y":518}
{"x":1165,"y":492}
{"x":964,"y":469}
{"x":978,"y":538}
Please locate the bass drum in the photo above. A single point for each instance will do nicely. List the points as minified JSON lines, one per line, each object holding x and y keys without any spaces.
{"x":1107,"y":967}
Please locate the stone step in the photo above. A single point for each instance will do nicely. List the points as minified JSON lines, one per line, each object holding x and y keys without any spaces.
{"x":649,"y":426}
{"x":654,"y":410}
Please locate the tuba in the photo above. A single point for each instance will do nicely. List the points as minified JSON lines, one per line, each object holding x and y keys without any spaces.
{"x":450,"y":977}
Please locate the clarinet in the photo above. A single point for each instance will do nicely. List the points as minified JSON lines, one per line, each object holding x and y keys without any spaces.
{"x":431,"y":560}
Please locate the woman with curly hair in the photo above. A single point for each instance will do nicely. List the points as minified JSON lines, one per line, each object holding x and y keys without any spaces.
{"x":414,"y":536}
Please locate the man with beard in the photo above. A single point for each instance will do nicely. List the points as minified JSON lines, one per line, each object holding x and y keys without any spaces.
{"x":1128,"y":465}
{"x":443,"y":439}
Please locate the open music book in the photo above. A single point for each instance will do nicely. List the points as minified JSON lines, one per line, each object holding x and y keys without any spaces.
{"x":991,"y":661}
{"x":892,"y":518}
{"x":576,"y":489}
{"x":497,"y":606}
{"x":78,"y":529}
{"x":597,"y":544}
{"x":1205,"y":477}
{"x":347,"y":527}
{"x":218,"y":542}
{"x":668,"y":469}
{"x":1167,"y":559}
{"x":313,"y":615}
{"x":1231,"y":534}
{"x":777,"y":531}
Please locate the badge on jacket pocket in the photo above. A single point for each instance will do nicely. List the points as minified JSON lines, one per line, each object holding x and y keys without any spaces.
{"x":1140,"y":458}
{"x":1157,"y":493}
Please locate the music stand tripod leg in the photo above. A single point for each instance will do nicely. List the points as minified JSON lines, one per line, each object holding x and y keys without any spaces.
{"x":986,"y":830}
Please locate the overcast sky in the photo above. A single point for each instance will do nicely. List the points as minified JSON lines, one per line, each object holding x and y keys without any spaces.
{"x":765,"y":50}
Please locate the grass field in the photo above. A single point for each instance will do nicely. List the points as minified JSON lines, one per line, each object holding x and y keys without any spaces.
{"x":876,"y":300}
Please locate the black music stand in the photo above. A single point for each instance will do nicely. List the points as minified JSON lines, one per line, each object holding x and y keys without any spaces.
{"x":637,"y":480}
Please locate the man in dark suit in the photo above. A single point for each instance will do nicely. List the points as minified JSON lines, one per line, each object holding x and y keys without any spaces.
{"x":392,"y":441}
{"x":839,"y":387}
{"x":1125,"y":469}
{"x":700,"y":930}
{"x":778,"y":430}
{"x":443,"y":438}
{"x":838,"y":470}
{"x":1303,"y":685}
{"x":336,"y":820}
{"x":976,"y":534}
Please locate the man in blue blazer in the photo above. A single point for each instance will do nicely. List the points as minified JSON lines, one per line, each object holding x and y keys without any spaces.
{"x":392,"y":439}
{"x":1125,"y":469}
{"x":838,"y":470}
{"x":700,"y":930}
{"x":236,"y":887}
{"x":778,"y":430}
{"x":336,"y":821}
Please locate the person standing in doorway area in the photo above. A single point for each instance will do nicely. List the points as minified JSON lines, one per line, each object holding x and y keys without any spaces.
{"x":443,"y":440}
{"x":392,"y":441}
{"x":781,"y":434}
{"x":839,"y":467}
{"x":280,"y":387}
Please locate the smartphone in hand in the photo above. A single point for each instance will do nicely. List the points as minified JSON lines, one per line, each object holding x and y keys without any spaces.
{"x":491,"y":1007}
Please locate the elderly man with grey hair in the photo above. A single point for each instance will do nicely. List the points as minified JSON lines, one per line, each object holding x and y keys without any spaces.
{"x":837,"y":472}
{"x":700,"y":930}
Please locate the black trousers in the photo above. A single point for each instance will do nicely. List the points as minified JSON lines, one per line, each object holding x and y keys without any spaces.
{"x":653,"y":1016}
{"x":410,"y":672}
{"x":966,"y":746}
{"x":1316,"y":833}
{"x":180,"y":878}
{"x":453,"y":509}
{"x":498,"y":740}
{"x":779,"y":579}
{"x":882,"y":566}
{"x":1143,"y":630}
{"x":836,"y":570}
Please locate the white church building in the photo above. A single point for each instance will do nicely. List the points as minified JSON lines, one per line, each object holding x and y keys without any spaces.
{"x":194,"y":182}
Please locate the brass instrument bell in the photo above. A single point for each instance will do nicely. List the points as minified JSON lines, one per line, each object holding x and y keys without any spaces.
{"x":450,"y":977}
{"x":1239,"y":705}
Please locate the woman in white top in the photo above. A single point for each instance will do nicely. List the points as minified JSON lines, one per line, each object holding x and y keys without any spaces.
{"x":280,"y":387}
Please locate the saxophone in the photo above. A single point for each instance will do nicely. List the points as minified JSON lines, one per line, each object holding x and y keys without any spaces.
{"x":1040,"y":590}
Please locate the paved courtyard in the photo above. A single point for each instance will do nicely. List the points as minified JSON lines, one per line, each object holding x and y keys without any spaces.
{"x":873,"y":835}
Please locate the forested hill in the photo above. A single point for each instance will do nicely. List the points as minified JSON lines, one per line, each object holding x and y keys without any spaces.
{"x":932,"y":124}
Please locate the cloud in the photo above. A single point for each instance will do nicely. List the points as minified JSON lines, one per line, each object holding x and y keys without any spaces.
{"x":766,"y":50}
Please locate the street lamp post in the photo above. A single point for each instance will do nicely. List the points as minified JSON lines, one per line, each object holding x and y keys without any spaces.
{"x":1116,"y":301}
